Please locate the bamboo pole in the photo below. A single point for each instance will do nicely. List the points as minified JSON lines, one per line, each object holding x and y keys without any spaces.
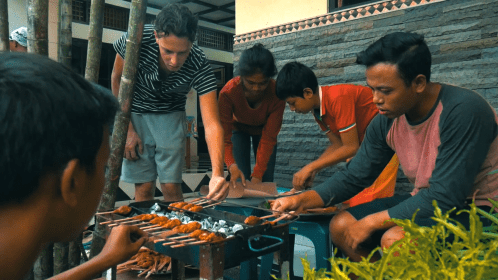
{"x":65,"y":32}
{"x":38,"y":43}
{"x":95,"y":41}
{"x":44,"y":265}
{"x":4,"y":26}
{"x":38,"y":27}
{"x":125,"y":97}
{"x":62,"y":250}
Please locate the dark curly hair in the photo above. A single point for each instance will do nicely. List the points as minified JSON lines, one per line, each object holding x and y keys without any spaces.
{"x":178,"y":20}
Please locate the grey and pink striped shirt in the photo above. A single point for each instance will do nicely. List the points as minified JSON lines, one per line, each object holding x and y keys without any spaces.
{"x":450,"y":156}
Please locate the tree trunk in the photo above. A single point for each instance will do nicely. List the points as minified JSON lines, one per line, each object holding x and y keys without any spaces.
{"x":135,"y":30}
{"x":44,"y":265}
{"x":38,"y":26}
{"x":4,"y":26}
{"x":65,"y":33}
{"x":95,"y":41}
{"x":74,"y":258}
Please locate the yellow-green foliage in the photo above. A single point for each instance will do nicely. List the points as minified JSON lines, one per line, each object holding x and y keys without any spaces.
{"x":425,"y":253}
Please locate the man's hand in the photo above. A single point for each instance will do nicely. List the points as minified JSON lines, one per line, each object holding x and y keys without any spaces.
{"x":286,"y":204}
{"x":235,"y":174}
{"x":123,"y":242}
{"x":358,"y":233}
{"x":218,"y":188}
{"x":132,"y":141}
{"x":300,"y":178}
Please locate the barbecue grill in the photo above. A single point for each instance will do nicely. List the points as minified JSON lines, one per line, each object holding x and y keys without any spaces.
{"x":212,"y":258}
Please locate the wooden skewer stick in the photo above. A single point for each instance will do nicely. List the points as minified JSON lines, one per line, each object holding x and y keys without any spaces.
{"x":284,"y":216}
{"x":188,"y":244}
{"x":149,"y":227}
{"x":123,"y":223}
{"x":270,"y":216}
{"x":153,"y":228}
{"x":179,"y":237}
{"x":214,"y":204}
{"x":197,"y":199}
{"x":103,"y":213}
{"x":113,"y":221}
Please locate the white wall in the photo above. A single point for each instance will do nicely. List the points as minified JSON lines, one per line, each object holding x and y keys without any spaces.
{"x":252,"y":15}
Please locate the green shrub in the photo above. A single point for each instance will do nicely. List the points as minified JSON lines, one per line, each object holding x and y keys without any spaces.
{"x":425,"y":253}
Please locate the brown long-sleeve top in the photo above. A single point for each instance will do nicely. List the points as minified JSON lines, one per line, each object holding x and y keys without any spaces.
{"x":265,"y":120}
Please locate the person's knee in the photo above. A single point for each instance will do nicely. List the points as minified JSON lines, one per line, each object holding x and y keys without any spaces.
{"x":339,"y":224}
{"x":390,"y":236}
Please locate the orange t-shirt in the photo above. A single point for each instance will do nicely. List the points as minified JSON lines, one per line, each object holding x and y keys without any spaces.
{"x":344,"y":107}
{"x":265,"y":120}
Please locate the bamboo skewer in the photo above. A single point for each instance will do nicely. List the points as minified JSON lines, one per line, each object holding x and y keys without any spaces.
{"x":188,"y":244}
{"x":270,"y":216}
{"x":109,"y":222}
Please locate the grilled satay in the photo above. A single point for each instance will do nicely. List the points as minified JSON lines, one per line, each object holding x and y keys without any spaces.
{"x":145,"y":217}
{"x":188,"y":228}
{"x":177,"y":205}
{"x":171,"y":224}
{"x":197,"y":232}
{"x":196,"y":208}
{"x":252,"y":220}
{"x":159,"y":220}
{"x":123,"y":210}
{"x":209,"y":237}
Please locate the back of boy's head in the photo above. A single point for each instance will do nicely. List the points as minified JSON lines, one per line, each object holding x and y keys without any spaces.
{"x":49,"y":115}
{"x":293,"y":79}
{"x":257,"y":59}
{"x":408,"y":51}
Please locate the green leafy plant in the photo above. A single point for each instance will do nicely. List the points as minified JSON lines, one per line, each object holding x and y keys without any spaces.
{"x":427,"y":252}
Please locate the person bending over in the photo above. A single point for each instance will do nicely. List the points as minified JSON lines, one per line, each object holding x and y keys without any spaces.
{"x":251,"y":112}
{"x":446,"y":139}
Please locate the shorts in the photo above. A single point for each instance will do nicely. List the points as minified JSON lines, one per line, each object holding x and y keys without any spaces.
{"x":381,"y":204}
{"x":163,"y":137}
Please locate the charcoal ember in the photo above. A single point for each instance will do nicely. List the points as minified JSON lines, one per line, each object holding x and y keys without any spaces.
{"x":155,"y":208}
{"x":237,"y":227}
{"x":223,"y":230}
{"x":222,"y":223}
{"x":185,"y":219}
{"x":206,"y":224}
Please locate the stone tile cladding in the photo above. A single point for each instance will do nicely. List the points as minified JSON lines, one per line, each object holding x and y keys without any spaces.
{"x":462,"y":36}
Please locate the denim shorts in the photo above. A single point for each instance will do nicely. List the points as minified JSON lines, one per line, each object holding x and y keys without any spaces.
{"x":163,"y":138}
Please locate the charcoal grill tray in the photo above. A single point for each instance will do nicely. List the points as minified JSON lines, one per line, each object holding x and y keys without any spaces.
{"x":236,"y":248}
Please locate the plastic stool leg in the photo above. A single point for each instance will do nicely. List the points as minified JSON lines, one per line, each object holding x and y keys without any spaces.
{"x":249,"y":269}
{"x":266,"y":266}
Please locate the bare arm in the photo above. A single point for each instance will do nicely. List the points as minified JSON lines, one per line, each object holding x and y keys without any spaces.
{"x":118,"y":248}
{"x":306,"y":200}
{"x":214,"y":139}
{"x":340,"y":150}
{"x":132,"y":139}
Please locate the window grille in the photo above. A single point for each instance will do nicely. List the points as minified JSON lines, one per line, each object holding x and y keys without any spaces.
{"x":79,"y":10}
{"x":214,"y":39}
{"x":116,"y":18}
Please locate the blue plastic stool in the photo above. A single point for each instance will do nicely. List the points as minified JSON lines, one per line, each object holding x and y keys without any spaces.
{"x":318,"y":233}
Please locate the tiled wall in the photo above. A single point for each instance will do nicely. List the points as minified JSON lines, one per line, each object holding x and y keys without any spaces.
{"x":462,"y":36}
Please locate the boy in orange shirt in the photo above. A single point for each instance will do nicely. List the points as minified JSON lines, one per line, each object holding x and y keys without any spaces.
{"x":343,"y":112}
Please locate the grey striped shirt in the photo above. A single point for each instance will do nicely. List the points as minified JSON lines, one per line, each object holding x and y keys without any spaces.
{"x":155,"y":96}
